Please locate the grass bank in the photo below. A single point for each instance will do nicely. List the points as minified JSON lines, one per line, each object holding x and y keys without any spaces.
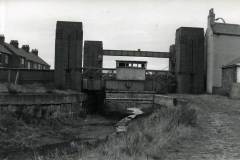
{"x":150,"y":137}
{"x":25,"y":135}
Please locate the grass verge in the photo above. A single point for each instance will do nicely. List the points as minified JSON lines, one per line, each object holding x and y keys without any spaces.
{"x":147,"y":137}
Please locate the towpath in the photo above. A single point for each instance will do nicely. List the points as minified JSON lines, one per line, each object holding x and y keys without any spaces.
{"x":217,"y":135}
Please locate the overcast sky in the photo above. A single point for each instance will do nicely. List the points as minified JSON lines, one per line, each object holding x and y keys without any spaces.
{"x":120,"y":24}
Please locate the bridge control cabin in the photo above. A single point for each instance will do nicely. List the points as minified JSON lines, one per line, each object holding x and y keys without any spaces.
{"x":130,"y":76}
{"x":131,"y":70}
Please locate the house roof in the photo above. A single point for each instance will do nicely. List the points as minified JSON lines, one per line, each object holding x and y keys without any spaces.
{"x":235,"y":62}
{"x":226,"y":29}
{"x":4,"y":50}
{"x":27,"y":55}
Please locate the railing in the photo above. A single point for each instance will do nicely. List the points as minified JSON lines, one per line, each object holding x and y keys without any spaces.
{"x":110,"y":73}
{"x":98,"y":73}
{"x":156,"y":80}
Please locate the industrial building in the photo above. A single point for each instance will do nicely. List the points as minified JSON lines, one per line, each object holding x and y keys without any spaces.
{"x":11,"y":56}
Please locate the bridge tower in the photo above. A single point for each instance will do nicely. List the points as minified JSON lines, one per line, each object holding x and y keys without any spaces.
{"x":190,"y":60}
{"x":68,"y":55}
{"x":93,"y":58}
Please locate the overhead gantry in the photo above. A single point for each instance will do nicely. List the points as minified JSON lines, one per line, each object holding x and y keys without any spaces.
{"x":137,"y":53}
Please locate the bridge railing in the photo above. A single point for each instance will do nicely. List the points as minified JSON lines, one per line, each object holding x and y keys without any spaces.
{"x":156,"y":80}
{"x":110,"y":73}
{"x":98,"y":73}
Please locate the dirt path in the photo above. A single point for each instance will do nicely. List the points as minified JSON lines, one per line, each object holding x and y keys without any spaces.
{"x":217,"y":135}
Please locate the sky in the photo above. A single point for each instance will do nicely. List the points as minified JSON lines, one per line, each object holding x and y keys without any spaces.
{"x":121,"y":24}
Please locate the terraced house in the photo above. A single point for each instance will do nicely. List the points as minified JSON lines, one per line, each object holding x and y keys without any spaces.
{"x":11,"y":56}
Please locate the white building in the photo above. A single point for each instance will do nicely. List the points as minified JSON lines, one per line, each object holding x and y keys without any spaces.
{"x":222,"y":47}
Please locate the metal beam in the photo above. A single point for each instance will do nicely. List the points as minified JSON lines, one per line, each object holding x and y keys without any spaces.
{"x":136,"y":53}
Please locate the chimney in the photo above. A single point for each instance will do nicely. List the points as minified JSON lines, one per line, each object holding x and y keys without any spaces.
{"x":14,"y":43}
{"x":35,"y":51}
{"x":25,"y":48}
{"x":211,"y":17}
{"x":139,"y":50}
{"x":2,"y":38}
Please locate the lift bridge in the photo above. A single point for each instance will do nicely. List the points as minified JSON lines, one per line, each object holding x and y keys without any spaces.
{"x":129,"y":84}
{"x":127,"y":78}
{"x":129,"y":81}
{"x":127,"y":75}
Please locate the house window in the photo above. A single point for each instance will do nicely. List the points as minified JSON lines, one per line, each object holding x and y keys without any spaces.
{"x":28,"y":65}
{"x":22,"y":61}
{"x":39,"y":66}
{"x":3,"y":58}
{"x":6,"y":59}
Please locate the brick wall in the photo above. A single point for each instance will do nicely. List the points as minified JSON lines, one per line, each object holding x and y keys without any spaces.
{"x":46,"y":106}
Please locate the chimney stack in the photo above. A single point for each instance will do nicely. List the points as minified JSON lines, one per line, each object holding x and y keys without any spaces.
{"x":2,"y":38}
{"x":14,"y":43}
{"x":35,"y":51}
{"x":25,"y":48}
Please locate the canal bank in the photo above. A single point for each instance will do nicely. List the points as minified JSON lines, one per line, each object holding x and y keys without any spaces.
{"x":20,"y":140}
{"x":147,"y":136}
{"x":42,"y":123}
